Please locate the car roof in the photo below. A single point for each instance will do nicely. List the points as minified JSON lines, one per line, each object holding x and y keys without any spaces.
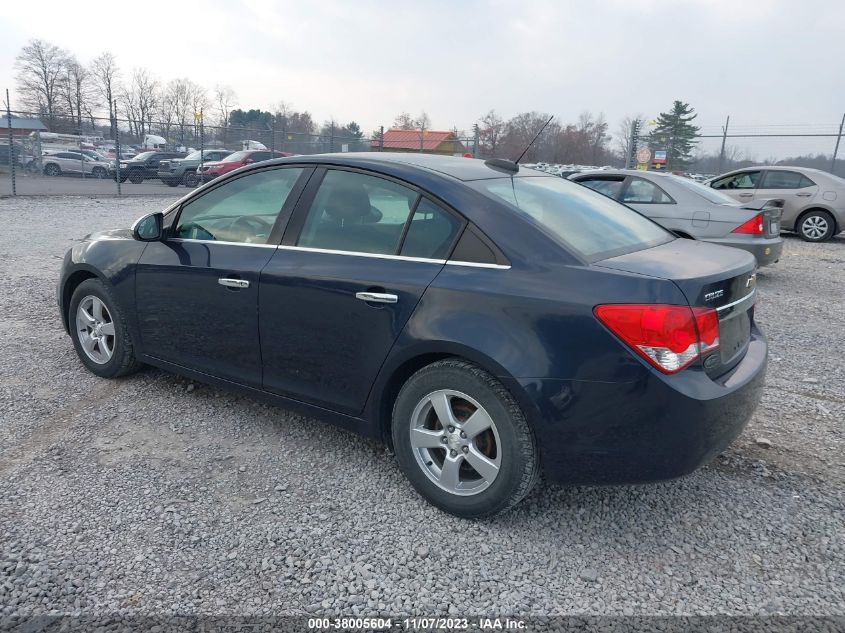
{"x":460,"y":168}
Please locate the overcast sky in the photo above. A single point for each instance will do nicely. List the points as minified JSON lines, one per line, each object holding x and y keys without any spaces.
{"x":763,"y":62}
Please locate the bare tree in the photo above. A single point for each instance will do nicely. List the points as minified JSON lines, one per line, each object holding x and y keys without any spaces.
{"x":623,"y":133}
{"x":490,"y":131}
{"x":176,"y":97}
{"x":139,"y":101}
{"x":199,"y":102}
{"x":76,"y":91}
{"x":404,"y":121}
{"x":225,"y":99}
{"x":39,"y":68}
{"x":106,"y":78}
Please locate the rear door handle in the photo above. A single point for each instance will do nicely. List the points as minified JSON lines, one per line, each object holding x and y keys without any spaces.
{"x":233,"y":283}
{"x":376,"y":297}
{"x":745,"y":195}
{"x":804,"y":194}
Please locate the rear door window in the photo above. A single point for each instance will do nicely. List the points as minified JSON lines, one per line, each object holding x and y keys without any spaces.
{"x":431,"y":232}
{"x":779,"y":179}
{"x":590,"y":223}
{"x":358,"y":213}
{"x":642,"y":191}
{"x":609,"y":187}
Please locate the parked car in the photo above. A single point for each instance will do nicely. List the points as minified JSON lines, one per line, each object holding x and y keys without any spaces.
{"x":184,"y":170}
{"x":76,"y":163}
{"x":210,"y":171}
{"x":691,"y":210}
{"x":143,"y":167}
{"x":814,"y":200}
{"x":485,"y":320}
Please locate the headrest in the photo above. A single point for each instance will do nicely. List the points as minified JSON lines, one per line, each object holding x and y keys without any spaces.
{"x":348,"y":202}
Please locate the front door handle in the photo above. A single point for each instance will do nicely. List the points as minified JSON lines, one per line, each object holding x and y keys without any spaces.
{"x":745,"y":195}
{"x":376,"y":297}
{"x":804,"y":194}
{"x":233,"y":283}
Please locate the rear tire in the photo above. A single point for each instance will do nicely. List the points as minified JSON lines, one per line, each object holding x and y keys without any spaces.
{"x":99,"y":331}
{"x":815,"y":226}
{"x":52,"y":170}
{"x":486,"y":463}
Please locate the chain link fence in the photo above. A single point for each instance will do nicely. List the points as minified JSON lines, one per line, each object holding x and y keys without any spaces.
{"x":85,"y":156}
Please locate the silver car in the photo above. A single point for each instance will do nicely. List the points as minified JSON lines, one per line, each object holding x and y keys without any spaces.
{"x":692,"y":210}
{"x":814,"y":200}
{"x":58,"y":163}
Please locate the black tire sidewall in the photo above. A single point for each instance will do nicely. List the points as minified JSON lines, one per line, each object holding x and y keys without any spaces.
{"x":830,"y":228}
{"x":99,"y":173}
{"x":189,"y":180}
{"x":136,"y":178}
{"x":118,"y":362}
{"x":52,"y":170}
{"x":495,"y":497}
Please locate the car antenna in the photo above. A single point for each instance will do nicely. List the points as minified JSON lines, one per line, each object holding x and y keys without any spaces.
{"x":513,"y":166}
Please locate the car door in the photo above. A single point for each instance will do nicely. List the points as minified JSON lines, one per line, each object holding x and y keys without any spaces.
{"x":354,"y":262}
{"x":70,"y":162}
{"x":197,"y":290}
{"x":794,"y":188}
{"x":740,"y":186}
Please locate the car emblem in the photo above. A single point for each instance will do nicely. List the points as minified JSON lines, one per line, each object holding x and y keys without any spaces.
{"x":749,"y":283}
{"x":710,"y":296}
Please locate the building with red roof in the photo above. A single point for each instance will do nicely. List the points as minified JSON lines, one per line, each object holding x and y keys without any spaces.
{"x":427,"y":141}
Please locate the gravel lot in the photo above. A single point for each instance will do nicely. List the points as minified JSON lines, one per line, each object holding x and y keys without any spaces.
{"x":153,"y":495}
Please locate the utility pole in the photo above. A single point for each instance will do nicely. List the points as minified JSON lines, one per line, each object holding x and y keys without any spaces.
{"x":835,"y":149}
{"x":724,"y":138}
{"x":11,"y":143}
{"x":475,"y":135}
{"x":630,"y":158}
{"x":116,"y":149}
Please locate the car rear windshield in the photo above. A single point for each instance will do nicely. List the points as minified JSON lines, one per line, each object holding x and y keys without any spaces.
{"x":708,"y":193}
{"x":593,"y":225}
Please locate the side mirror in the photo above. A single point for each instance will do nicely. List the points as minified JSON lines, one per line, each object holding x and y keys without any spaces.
{"x":149,"y":228}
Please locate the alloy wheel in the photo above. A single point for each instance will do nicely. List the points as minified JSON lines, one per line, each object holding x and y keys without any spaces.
{"x":95,"y":329}
{"x":814,"y":227}
{"x":455,"y":442}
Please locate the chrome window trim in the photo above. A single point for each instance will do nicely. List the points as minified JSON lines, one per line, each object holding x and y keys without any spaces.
{"x":453,"y":262}
{"x":188,"y":239}
{"x":328,"y":251}
{"x":404,"y":258}
{"x":750,"y":295}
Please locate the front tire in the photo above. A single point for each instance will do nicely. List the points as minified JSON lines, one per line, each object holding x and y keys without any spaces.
{"x":816,"y":226}
{"x":191,"y":179}
{"x":99,"y":173}
{"x":52,"y":170}
{"x":136,"y":177}
{"x":99,"y":331}
{"x":462,"y":440}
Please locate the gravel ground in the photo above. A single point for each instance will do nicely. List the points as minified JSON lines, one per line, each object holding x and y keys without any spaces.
{"x":154,"y":495}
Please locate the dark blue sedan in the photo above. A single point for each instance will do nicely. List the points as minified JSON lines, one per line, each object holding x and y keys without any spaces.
{"x":488,"y":322}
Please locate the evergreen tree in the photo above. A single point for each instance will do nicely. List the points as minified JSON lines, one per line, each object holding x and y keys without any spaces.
{"x":675,"y":133}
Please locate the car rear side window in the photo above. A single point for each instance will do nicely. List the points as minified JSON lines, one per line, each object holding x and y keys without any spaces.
{"x":241,"y":210}
{"x":431,"y":232}
{"x":588,"y":222}
{"x":358,"y":213}
{"x":778,"y":179}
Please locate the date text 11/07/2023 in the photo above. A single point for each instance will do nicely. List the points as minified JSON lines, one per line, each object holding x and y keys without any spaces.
{"x":415,"y":624}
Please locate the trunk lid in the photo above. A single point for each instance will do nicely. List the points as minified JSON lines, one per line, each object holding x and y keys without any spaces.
{"x":709,"y":276}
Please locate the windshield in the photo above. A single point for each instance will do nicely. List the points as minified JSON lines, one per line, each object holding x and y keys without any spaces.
{"x":237,"y":156}
{"x":588,"y":222}
{"x":144,"y":155}
{"x":708,"y":193}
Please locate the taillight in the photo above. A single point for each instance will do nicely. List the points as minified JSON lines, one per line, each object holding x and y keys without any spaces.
{"x":670,"y":337}
{"x":754,"y":226}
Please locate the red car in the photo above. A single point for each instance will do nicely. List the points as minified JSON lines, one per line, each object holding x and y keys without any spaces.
{"x":210,"y":171}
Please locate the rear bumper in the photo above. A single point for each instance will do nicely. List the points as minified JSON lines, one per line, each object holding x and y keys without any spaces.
{"x":766,"y":250}
{"x":655,"y":428}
